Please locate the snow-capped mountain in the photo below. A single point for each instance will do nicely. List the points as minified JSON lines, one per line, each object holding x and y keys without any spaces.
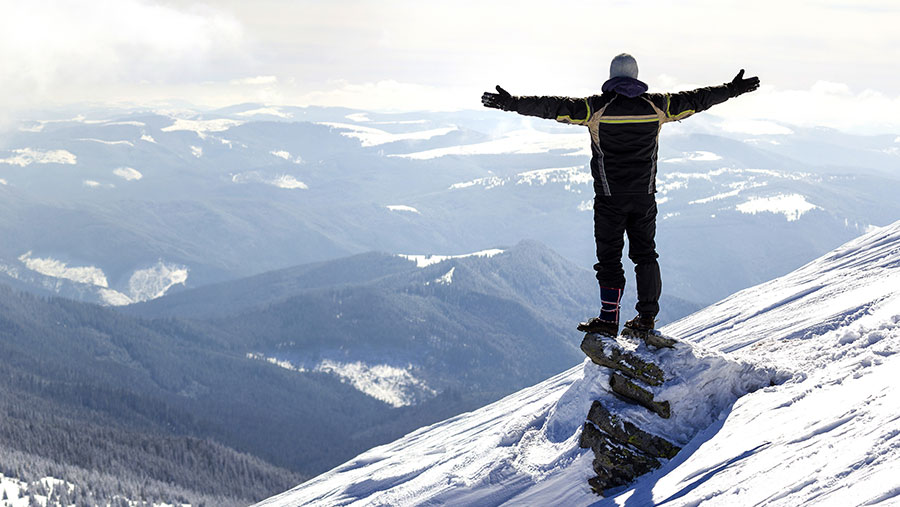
{"x":826,"y":432}
{"x":122,"y":206}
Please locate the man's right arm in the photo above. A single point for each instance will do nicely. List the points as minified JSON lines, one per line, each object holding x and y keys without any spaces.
{"x":563,"y":109}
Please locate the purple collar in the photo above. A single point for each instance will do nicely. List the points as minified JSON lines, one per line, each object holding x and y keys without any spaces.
{"x":626,"y":86}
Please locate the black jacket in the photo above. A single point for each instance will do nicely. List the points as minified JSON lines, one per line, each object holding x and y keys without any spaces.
{"x":624,"y":123}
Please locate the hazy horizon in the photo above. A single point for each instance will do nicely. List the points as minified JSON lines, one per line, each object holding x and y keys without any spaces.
{"x":822,"y":62}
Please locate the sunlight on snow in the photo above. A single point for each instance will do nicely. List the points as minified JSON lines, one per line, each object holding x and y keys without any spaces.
{"x":128,"y":173}
{"x":402,"y":207}
{"x":695,"y":156}
{"x":102,"y":141}
{"x":570,"y":176}
{"x":28,"y":156}
{"x":792,"y":206}
{"x":201,"y":127}
{"x":390,"y":384}
{"x":517,"y":142}
{"x":285,"y":181}
{"x":58,"y":269}
{"x":270,"y":111}
{"x":153,"y":282}
{"x":369,"y":136}
{"x":427,"y":260}
{"x":143,"y":285}
{"x":286,"y":155}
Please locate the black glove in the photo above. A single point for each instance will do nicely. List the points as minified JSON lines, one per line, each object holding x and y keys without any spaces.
{"x":501,"y":100}
{"x":739,"y":85}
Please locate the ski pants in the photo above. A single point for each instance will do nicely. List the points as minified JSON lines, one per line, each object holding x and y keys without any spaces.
{"x":634,"y":215}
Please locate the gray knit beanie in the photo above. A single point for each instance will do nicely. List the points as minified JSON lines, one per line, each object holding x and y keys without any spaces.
{"x":623,"y":65}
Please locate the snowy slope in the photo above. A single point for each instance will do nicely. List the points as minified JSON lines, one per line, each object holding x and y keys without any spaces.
{"x":829,"y":435}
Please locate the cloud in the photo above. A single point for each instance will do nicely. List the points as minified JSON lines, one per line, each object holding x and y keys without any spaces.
{"x":255,"y":81}
{"x":60,"y":50}
{"x":825,"y":104}
{"x":391,"y":95}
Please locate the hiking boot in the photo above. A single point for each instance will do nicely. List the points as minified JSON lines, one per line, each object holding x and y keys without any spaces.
{"x":641,"y":327}
{"x":596,"y":325}
{"x":642,"y":324}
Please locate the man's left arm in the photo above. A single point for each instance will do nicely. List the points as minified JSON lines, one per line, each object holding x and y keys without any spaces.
{"x":683,"y":104}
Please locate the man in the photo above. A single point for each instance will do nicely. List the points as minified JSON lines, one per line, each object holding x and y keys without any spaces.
{"x":624,"y":123}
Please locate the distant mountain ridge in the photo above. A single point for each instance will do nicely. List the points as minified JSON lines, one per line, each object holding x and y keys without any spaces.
{"x":251,"y":188}
{"x":502,"y":320}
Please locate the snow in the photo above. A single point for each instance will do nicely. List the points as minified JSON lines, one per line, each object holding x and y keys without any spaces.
{"x":96,"y":184}
{"x":3,"y":182}
{"x":737,"y":188}
{"x":113,"y":297}
{"x":286,"y":155}
{"x":827,"y":432}
{"x":427,"y":260}
{"x":269,"y":111}
{"x":28,"y":156}
{"x":155,"y":281}
{"x":128,"y":173}
{"x":446,"y":278}
{"x":393,"y":385}
{"x":488,"y":183}
{"x":695,"y":156}
{"x":570,"y":177}
{"x":285,"y":181}
{"x":289,"y":182}
{"x":148,"y":138}
{"x":197,"y":151}
{"x":792,"y":206}
{"x":402,"y":207}
{"x":124,"y":122}
{"x":143,"y":285}
{"x":16,"y":491}
{"x":516,"y":142}
{"x":202,"y":127}
{"x":102,"y":141}
{"x":497,"y":453}
{"x":369,"y":136}
{"x":58,"y":269}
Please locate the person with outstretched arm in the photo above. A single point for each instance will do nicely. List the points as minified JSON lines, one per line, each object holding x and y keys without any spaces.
{"x":624,"y":122}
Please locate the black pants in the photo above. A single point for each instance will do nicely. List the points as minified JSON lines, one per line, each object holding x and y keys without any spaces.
{"x":635,"y":215}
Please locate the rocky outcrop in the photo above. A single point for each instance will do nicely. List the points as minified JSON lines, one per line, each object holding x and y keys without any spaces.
{"x":610,"y":356}
{"x":637,"y":394}
{"x":622,"y":450}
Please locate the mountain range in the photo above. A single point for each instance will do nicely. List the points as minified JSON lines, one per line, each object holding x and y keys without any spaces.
{"x":123,"y":206}
{"x":258,"y":372}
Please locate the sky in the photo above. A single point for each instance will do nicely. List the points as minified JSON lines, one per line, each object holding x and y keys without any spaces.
{"x":821,"y":62}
